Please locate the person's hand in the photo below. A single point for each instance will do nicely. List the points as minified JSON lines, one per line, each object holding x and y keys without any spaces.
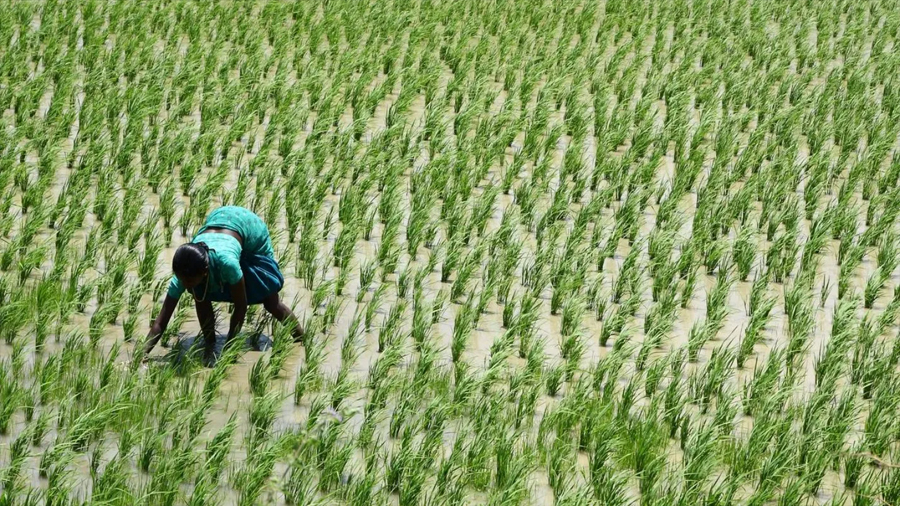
{"x":152,"y":338}
{"x":139,"y":355}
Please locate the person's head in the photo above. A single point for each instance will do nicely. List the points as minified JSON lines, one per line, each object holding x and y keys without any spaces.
{"x":191,"y":264}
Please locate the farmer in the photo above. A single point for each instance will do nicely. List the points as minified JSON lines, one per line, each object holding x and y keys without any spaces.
{"x":229,"y":260}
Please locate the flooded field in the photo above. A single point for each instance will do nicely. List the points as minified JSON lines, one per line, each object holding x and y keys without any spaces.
{"x":545,"y":253}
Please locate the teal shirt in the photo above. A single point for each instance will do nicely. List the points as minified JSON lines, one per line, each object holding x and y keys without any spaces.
{"x":225,"y":251}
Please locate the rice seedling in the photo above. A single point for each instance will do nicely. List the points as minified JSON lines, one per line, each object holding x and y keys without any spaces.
{"x":250,"y":480}
{"x":299,"y":487}
{"x":373,"y":305}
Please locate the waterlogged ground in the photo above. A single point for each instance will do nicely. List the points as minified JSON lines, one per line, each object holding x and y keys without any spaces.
{"x":565,"y":254}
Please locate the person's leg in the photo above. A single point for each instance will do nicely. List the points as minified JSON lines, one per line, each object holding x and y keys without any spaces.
{"x":207,"y":318}
{"x":283,"y":314}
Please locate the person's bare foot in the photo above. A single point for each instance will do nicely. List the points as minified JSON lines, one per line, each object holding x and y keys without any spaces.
{"x":298,"y":335}
{"x":209,"y":356}
{"x":149,"y":344}
{"x":230,"y":343}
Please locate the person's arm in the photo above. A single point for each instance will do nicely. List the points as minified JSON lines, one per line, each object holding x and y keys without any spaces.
{"x":207,"y":318}
{"x":161,"y":322}
{"x":239,"y":296}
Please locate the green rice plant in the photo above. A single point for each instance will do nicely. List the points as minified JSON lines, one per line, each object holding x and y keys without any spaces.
{"x":889,"y":487}
{"x":853,"y":464}
{"x":846,"y":272}
{"x":561,"y":291}
{"x":388,"y":251}
{"x":438,"y":305}
{"x":869,"y":359}
{"x":333,"y":308}
{"x":344,"y":245}
{"x":148,"y":449}
{"x":18,"y":454}
{"x":800,"y":314}
{"x":816,"y":241}
{"x":45,"y":299}
{"x":644,"y":450}
{"x":690,"y":282}
{"x":403,"y":283}
{"x":366,"y":276}
{"x":512,"y":471}
{"x":260,"y":377}
{"x":707,"y":383}
{"x":351,"y":346}
{"x":508,"y":316}
{"x":335,"y":460}
{"x":886,"y":257}
{"x":760,"y":301}
{"x":298,"y":486}
{"x":838,"y":426}
{"x":874,"y":286}
{"x":29,"y":261}
{"x":380,"y":370}
{"x":824,"y":291}
{"x":343,"y":388}
{"x":389,"y":333}
{"x":697,"y":337}
{"x":406,"y":405}
{"x":54,"y":466}
{"x":451,"y":258}
{"x":615,"y":323}
{"x":465,"y":273}
{"x":598,"y":300}
{"x":744,"y":252}
{"x":713,"y":254}
{"x":570,"y":329}
{"x":320,"y":294}
{"x":781,"y":256}
{"x":40,"y":428}
{"x":500,"y":352}
{"x":88,"y":426}
{"x":113,"y":484}
{"x":462,"y":331}
{"x":373,"y":304}
{"x":421,"y":322}
{"x":830,"y":366}
{"x":659,"y":248}
{"x":400,"y":464}
{"x":777,"y":464}
{"x":629,"y":273}
{"x":560,"y":466}
{"x":699,"y":456}
{"x":309,"y":374}
{"x":553,"y":378}
{"x":762,"y":386}
{"x":252,"y":477}
{"x":717,"y":300}
{"x":14,"y":317}
{"x":369,"y":224}
{"x":263,"y":411}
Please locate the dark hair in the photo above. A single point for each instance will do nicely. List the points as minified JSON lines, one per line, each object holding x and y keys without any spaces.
{"x":191,"y":259}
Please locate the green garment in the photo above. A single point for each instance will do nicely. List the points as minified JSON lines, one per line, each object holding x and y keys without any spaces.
{"x":225,"y":251}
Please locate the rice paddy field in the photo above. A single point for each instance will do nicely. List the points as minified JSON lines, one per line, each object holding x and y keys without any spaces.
{"x":553,"y":253}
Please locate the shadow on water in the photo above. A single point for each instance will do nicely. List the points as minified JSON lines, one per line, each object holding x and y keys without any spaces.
{"x":191,"y":348}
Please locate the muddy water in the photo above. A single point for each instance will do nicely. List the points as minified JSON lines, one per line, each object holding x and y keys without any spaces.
{"x":235,"y":396}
